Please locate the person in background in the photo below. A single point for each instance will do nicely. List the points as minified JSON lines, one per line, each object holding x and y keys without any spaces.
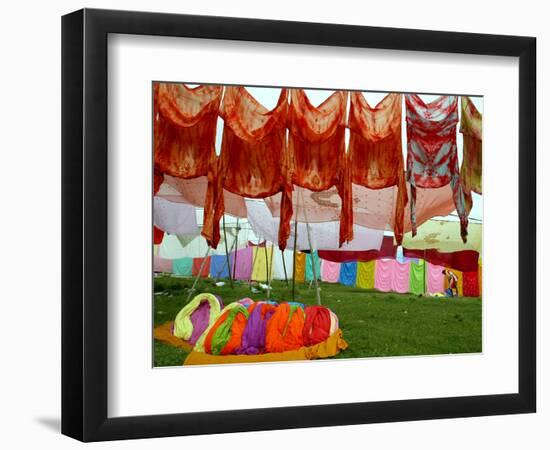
{"x":452,"y":291}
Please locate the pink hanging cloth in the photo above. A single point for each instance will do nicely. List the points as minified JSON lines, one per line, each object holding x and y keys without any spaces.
{"x":162,"y":264}
{"x":244,"y":257}
{"x":383,"y":275}
{"x":330,"y":271}
{"x":435,"y":279}
{"x":400,"y":277}
{"x":432,"y":157}
{"x":390,"y":275}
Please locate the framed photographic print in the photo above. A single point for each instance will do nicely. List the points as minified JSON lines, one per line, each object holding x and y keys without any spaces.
{"x":273,"y":224}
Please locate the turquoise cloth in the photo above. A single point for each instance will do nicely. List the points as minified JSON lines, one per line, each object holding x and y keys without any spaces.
{"x":182,"y":266}
{"x":309,"y":267}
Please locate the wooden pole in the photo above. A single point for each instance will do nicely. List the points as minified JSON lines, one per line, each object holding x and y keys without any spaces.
{"x":236,"y":248}
{"x":226,"y":251}
{"x":224,"y":264}
{"x":268,"y":273}
{"x":312,"y":253}
{"x":425,"y":264}
{"x":294,"y":254}
{"x":271,"y":265}
{"x":254,"y":262}
{"x":284,"y":266}
{"x":198,"y":275}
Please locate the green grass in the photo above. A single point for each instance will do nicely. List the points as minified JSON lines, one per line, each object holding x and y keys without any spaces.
{"x":373,"y":323}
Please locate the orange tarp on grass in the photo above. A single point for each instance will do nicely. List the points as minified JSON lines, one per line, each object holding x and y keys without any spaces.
{"x":163,"y":333}
{"x":331,"y":347}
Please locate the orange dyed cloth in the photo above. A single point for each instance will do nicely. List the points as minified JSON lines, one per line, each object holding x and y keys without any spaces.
{"x":317,"y":151}
{"x":237,"y":329}
{"x":185,"y":132}
{"x":164,"y":334}
{"x":253,"y":161}
{"x":185,"y":128}
{"x":284,"y":329}
{"x":375,"y":157}
{"x":471,"y":129}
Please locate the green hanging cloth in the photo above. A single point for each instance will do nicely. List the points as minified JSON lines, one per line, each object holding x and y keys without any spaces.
{"x":416,"y":277}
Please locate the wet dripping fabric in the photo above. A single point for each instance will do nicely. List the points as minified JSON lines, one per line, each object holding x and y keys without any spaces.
{"x":472,"y":136}
{"x":374,"y":153}
{"x":253,"y":161}
{"x":432,"y":156}
{"x":317,"y":153}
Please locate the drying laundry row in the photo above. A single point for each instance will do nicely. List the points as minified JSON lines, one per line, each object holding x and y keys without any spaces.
{"x":412,"y":275}
{"x":260,"y":159}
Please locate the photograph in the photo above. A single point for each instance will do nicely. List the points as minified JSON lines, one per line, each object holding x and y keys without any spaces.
{"x":275,"y":225}
{"x":305,"y":224}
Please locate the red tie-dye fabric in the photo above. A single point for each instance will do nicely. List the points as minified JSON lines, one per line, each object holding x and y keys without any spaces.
{"x":317,"y":150}
{"x":432,"y":157}
{"x":253,"y":160}
{"x":375,"y":157}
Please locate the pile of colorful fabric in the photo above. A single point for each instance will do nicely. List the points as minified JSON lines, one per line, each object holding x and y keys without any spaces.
{"x":191,"y":322}
{"x":196,"y":317}
{"x":246,"y":331}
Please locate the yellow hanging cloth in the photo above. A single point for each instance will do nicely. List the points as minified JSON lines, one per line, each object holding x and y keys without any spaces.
{"x":259,"y":270}
{"x":300,"y":265}
{"x":365,"y":274}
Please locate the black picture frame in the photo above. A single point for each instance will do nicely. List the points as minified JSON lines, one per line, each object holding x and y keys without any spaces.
{"x":84,"y":224}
